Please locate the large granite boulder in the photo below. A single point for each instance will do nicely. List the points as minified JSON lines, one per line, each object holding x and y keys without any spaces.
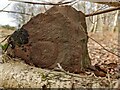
{"x":57,"y":36}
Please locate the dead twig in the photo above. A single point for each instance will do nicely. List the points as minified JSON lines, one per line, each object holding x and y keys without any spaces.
{"x":45,"y":8}
{"x":103,"y":11}
{"x":60,"y":69}
{"x":59,"y":3}
{"x":98,"y":42}
{"x":5,"y":7}
{"x":104,"y":47}
{"x":16,"y":12}
{"x":47,"y":3}
{"x":5,"y":38}
{"x":71,"y":74}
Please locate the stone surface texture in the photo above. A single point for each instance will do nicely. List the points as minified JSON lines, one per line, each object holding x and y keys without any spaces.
{"x":57,"y":36}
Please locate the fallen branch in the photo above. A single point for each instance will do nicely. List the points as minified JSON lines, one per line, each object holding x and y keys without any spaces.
{"x":87,"y":15}
{"x":103,"y":11}
{"x":114,"y":3}
{"x":47,"y":3}
{"x":59,"y":3}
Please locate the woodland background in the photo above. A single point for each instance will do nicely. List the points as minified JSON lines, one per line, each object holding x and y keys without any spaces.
{"x":104,"y":28}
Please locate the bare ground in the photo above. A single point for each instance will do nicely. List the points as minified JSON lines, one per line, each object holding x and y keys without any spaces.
{"x":98,"y":56}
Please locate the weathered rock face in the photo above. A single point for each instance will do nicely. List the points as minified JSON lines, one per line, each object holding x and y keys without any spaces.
{"x":57,"y":36}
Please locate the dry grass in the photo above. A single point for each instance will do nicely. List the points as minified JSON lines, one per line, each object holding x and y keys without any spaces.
{"x":4,"y":33}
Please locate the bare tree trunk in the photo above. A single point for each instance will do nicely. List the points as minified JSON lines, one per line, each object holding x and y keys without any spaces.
{"x":118,"y":23}
{"x":115,"y":21}
{"x":119,"y":20}
{"x":100,"y":23}
{"x":94,"y":22}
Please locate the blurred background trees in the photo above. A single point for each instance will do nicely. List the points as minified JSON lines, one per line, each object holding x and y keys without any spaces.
{"x":98,"y":23}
